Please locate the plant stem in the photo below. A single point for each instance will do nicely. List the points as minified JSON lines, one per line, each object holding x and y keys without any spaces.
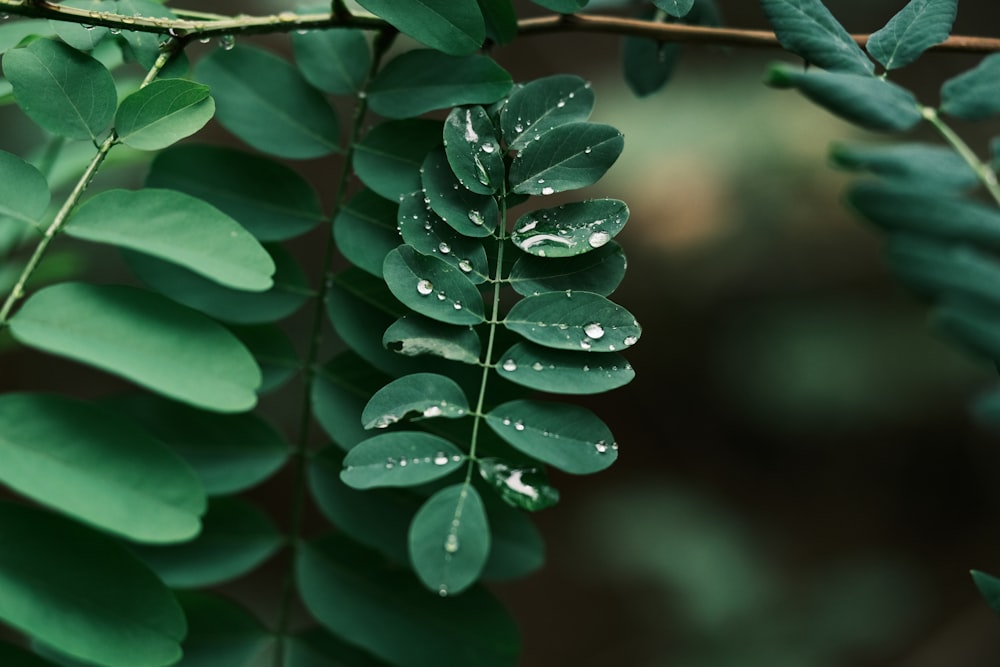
{"x":985,"y":173}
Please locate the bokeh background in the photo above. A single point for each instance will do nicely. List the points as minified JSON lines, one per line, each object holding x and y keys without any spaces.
{"x":800,"y":481}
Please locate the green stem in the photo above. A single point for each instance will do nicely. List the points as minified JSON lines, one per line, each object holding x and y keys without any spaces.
{"x":18,"y":291}
{"x":985,"y":173}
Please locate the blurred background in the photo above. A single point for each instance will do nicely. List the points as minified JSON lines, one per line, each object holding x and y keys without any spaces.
{"x":800,"y":482}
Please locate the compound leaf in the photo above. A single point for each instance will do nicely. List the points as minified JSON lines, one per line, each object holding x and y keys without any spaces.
{"x":569,"y":437}
{"x":401,"y":458}
{"x":452,"y":26}
{"x":178,"y":228}
{"x":144,"y":338}
{"x":574,"y":321}
{"x":450,"y":539}
{"x":432,"y":287}
{"x":563,"y":371}
{"x":428,"y":394}
{"x":542,"y":104}
{"x":807,"y":28}
{"x":162,"y":113}
{"x":570,"y":229}
{"x":918,"y":26}
{"x":566,"y":157}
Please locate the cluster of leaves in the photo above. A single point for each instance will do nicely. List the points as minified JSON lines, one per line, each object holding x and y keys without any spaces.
{"x":128,"y":507}
{"x":939,"y":204}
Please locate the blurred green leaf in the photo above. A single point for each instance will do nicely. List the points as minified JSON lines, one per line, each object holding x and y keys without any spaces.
{"x":24,"y":192}
{"x":317,"y":648}
{"x":516,"y":546}
{"x":973,"y":95}
{"x":944,"y":270}
{"x":428,"y":394}
{"x":335,"y":61}
{"x":562,"y":6}
{"x":501,"y":20}
{"x":989,"y":588}
{"x":916,"y":164}
{"x":13,"y":33}
{"x":18,"y":657}
{"x":432,"y":287}
{"x":400,"y":458}
{"x":389,"y":157}
{"x":452,"y":26}
{"x":273,"y":350}
{"x":340,"y":391}
{"x":450,"y":539}
{"x":365,"y":230}
{"x":918,"y":26}
{"x":162,"y":113}
{"x":807,"y":28}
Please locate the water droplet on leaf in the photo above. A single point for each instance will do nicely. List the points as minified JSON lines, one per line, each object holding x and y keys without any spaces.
{"x":441,"y":459}
{"x":510,"y":365}
{"x":594,"y":330}
{"x":598,"y":239}
{"x":547,"y":190}
{"x":451,"y":543}
{"x":425,"y":287}
{"x":444,"y":248}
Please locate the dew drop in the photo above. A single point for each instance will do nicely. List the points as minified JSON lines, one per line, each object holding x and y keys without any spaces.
{"x":4,"y":16}
{"x":601,"y":447}
{"x":506,"y":421}
{"x":458,"y":305}
{"x":425,"y":287}
{"x":402,"y":463}
{"x":594,"y":330}
{"x":227,"y":42}
{"x":560,"y":104}
{"x":518,"y":426}
{"x":390,"y":464}
{"x":487,"y":148}
{"x":477,"y":218}
{"x":631,"y":340}
{"x":441,"y":459}
{"x":443,"y":591}
{"x":510,"y":365}
{"x":537,"y":366}
{"x":441,"y":296}
{"x":588,"y":150}
{"x":547,"y":191}
{"x":614,"y":446}
{"x":465,"y":266}
{"x":451,"y":543}
{"x":205,"y":40}
{"x":86,"y":26}
{"x":585,"y":344}
{"x":444,"y":248}
{"x":432,"y":411}
{"x":598,"y":239}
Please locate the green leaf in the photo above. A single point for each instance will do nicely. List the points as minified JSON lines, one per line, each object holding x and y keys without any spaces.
{"x":221,"y":633}
{"x":568,"y":437}
{"x":65,"y":91}
{"x":807,"y":28}
{"x":989,"y":588}
{"x":273,"y":350}
{"x":428,"y":394}
{"x":600,"y":271}
{"x":401,"y":458}
{"x":922,"y":211}
{"x":516,"y":546}
{"x":230,"y":453}
{"x":944,"y":270}
{"x":468,"y":213}
{"x":178,"y":228}
{"x":432,"y":287}
{"x":13,"y":33}
{"x":451,"y":26}
{"x":237,"y":538}
{"x":365,"y":231}
{"x":317,"y":648}
{"x":78,"y":36}
{"x":335,"y":61}
{"x":18,"y":657}
{"x":24,"y":192}
{"x":450,"y":539}
{"x":82,"y":593}
{"x":563,"y":371}
{"x":473,"y":150}
{"x":427,"y":233}
{"x":973,"y":326}
{"x":103,"y":470}
{"x":272,"y":201}
{"x":340,"y":391}
{"x":289,"y":292}
{"x":973,"y":94}
{"x":567,"y":157}
{"x":382,"y":609}
{"x":544,"y":104}
{"x":414,"y":335}
{"x":267,"y":103}
{"x":562,"y":6}
{"x":648,"y":64}
{"x":501,"y":20}
{"x":676,"y":8}
{"x":869,"y":102}
{"x":424,"y":80}
{"x":916,"y":164}
{"x":918,"y":26}
{"x":144,"y":338}
{"x":163,"y":113}
{"x":570,"y":229}
{"x":388,"y":159}
{"x":524,"y":487}
{"x":574,"y":321}
{"x":145,"y":46}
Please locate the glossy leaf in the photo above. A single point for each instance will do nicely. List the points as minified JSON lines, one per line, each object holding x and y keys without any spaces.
{"x":427,"y":233}
{"x":676,"y":8}
{"x":566,"y":436}
{"x":144,"y":338}
{"x":162,"y":113}
{"x":563,"y":371}
{"x":264,"y":101}
{"x":24,"y":192}
{"x":973,"y":94}
{"x":562,"y":6}
{"x":389,"y":157}
{"x":944,"y":270}
{"x":236,"y":539}
{"x":922,"y":211}
{"x":340,"y":391}
{"x":221,"y":633}
{"x":567,"y":157}
{"x":414,"y":335}
{"x":365,"y":230}
{"x":807,"y":28}
{"x":451,"y":26}
{"x":94,"y":601}
{"x":922,"y":165}
{"x":335,"y":61}
{"x":424,"y":80}
{"x":524,"y":487}
{"x":65,"y":91}
{"x":543,"y":104}
{"x":600,"y":271}
{"x":989,"y":588}
{"x":574,"y":321}
{"x":450,"y":539}
{"x":432,"y":287}
{"x":400,"y":458}
{"x":473,"y":150}
{"x":869,"y":102}
{"x":289,"y":292}
{"x":385,"y":611}
{"x":90,"y":464}
{"x":427,"y":394}
{"x":918,"y":26}
{"x":270,"y":200}
{"x":501,"y":20}
{"x":178,"y":228}
{"x":273,"y":350}
{"x":570,"y":229}
{"x":468,"y":213}
{"x":229,"y":453}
